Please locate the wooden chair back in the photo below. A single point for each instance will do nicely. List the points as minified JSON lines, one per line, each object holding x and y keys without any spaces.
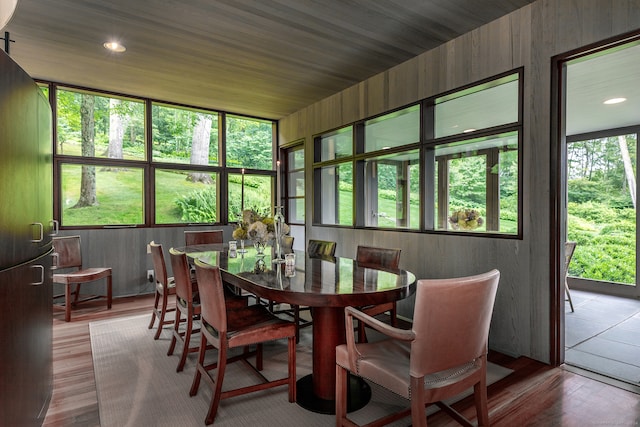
{"x":212,"y":300}
{"x":69,"y":252}
{"x":181,"y":275}
{"x":379,"y":257}
{"x":203,"y":237}
{"x":321,"y":248}
{"x":159,"y":265}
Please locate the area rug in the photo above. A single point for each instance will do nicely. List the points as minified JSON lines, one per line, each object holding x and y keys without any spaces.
{"x":137,"y":383}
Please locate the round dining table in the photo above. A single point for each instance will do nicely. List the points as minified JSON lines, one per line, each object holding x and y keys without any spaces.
{"x":327,"y":285}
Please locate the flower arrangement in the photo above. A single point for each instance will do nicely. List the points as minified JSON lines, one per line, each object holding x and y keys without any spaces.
{"x":465,"y":219}
{"x":257,"y":228}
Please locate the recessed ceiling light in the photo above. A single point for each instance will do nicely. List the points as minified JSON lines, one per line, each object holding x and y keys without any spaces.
{"x":114,"y":47}
{"x":614,"y":101}
{"x":469,"y":130}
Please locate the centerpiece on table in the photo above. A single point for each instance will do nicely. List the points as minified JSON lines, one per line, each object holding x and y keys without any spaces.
{"x":465,"y":219}
{"x":260,"y":229}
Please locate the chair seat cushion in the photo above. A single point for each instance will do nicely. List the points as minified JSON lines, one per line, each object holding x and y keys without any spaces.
{"x":394,"y":355}
{"x":253,"y":324}
{"x":82,"y":276}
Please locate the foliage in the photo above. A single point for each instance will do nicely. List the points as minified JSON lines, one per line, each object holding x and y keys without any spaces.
{"x":257,"y":227}
{"x":198,"y":206}
{"x":601,"y":216}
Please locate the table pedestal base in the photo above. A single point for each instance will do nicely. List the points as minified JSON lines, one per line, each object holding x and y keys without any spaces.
{"x":359,"y":393}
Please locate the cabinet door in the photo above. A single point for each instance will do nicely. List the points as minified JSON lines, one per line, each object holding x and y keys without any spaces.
{"x":25,"y":166}
{"x":26,"y":337}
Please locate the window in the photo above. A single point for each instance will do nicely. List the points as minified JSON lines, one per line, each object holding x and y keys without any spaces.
{"x":186,"y":196}
{"x":335,"y":145}
{"x":119,"y":164}
{"x":91,"y":125}
{"x":392,"y":189}
{"x":183,"y":135}
{"x":250,"y":143}
{"x":476,"y":178}
{"x":295,"y":183}
{"x":448,"y":164}
{"x":334,"y":195}
{"x":94,"y":195}
{"x":249,"y":191}
{"x":479,"y":107}
{"x":477,"y":184}
{"x":392,"y":130}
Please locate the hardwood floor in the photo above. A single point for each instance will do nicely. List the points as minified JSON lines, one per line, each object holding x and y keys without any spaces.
{"x":534,"y":395}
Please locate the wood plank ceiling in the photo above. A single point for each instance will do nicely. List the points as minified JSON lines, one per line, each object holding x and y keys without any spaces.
{"x":265,"y":58}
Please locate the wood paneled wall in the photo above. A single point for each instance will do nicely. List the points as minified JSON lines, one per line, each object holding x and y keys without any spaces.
{"x":527,"y":38}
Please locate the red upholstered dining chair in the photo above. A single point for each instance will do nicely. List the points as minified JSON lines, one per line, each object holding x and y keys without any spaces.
{"x":165,"y":286}
{"x":384,"y":258}
{"x":225,"y":328}
{"x":203,"y":237}
{"x":68,"y":255}
{"x":444,"y":353}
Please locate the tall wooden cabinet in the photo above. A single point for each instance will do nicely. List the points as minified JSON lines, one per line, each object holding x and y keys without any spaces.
{"x":25,"y":248}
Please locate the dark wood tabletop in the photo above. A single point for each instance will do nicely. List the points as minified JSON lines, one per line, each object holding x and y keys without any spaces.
{"x":326,"y":284}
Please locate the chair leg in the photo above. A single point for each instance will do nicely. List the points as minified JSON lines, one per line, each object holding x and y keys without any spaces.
{"x":296,"y":320}
{"x":175,"y":334}
{"x":480,"y":396}
{"x":67,"y":302}
{"x":195,"y":385}
{"x":163,"y":313}
{"x":109,"y":292}
{"x":341,"y":395}
{"x":292,"y":369}
{"x":566,"y":288}
{"x":186,"y":340}
{"x":77,"y":294}
{"x":217,"y":392}
{"x":418,"y":416}
{"x":155,"y":308}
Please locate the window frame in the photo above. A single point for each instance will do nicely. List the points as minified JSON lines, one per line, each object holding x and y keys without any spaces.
{"x":148,"y":165}
{"x":426,"y":146}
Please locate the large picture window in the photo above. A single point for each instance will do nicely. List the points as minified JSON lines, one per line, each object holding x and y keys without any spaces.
{"x":119,"y":164}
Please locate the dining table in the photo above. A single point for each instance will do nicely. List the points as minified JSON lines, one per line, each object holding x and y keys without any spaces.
{"x":327,"y":284}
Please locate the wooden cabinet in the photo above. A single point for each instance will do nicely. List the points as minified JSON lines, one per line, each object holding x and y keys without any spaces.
{"x":25,"y":248}
{"x":25,"y":353}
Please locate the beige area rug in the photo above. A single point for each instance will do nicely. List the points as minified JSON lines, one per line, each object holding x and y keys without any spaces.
{"x":137,"y":384}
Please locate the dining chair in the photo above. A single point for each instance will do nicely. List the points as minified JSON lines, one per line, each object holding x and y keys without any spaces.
{"x":203,"y":237}
{"x":442,"y":355}
{"x":384,"y":258}
{"x":68,"y":255}
{"x":226,"y":329}
{"x":187,"y":304}
{"x":569,"y":248}
{"x":319,"y":248}
{"x":165,"y":286}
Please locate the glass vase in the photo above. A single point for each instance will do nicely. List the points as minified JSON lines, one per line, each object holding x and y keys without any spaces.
{"x":278,"y":226}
